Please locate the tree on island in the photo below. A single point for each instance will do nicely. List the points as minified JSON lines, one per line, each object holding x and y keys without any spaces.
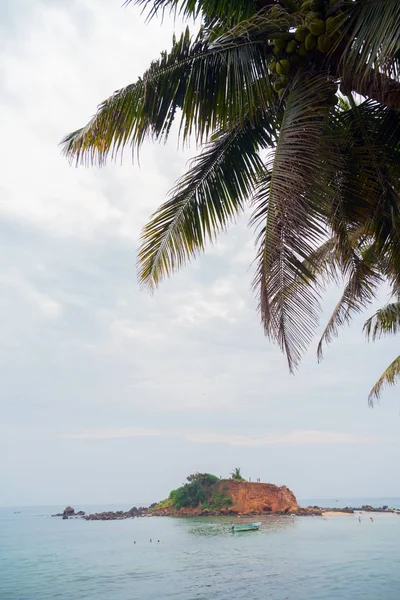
{"x":236,"y":474}
{"x":205,"y":479}
{"x":204,"y":490}
{"x":258,"y":88}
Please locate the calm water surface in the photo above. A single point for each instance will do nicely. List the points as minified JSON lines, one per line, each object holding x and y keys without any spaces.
{"x":198,"y":559}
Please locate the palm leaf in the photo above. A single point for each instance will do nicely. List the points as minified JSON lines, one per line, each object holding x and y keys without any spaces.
{"x":205,"y":200}
{"x":368,"y":183}
{"x":388,"y":377}
{"x":210,"y":9}
{"x":386,"y":321}
{"x":215,"y":85}
{"x":370,"y":58}
{"x":359,"y":292}
{"x":291,"y":203}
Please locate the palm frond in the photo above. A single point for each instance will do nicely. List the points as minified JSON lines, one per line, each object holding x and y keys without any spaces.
{"x":205,"y":200}
{"x":386,"y":321}
{"x":388,"y":377}
{"x":370,"y":57}
{"x":369,"y":181}
{"x":290,"y":207}
{"x":358,"y":293}
{"x":211,"y":9}
{"x":215,"y":85}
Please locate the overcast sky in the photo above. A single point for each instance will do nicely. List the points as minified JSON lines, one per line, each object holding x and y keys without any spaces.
{"x":111,"y":395}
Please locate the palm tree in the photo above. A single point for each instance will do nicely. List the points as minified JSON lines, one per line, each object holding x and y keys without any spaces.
{"x":257,"y":87}
{"x":236,"y":474}
{"x":385,"y":321}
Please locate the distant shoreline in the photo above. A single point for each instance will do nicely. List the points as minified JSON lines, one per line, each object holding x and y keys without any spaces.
{"x":310,"y":511}
{"x":341,"y":513}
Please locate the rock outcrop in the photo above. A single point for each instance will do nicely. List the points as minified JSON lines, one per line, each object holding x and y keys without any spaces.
{"x":119,"y":514}
{"x":260,"y":498}
{"x":70,"y":512}
{"x":248,"y":498}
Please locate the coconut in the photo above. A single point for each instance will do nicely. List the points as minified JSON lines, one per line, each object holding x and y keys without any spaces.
{"x":272,"y":66}
{"x":324,"y":43}
{"x":332,"y":23}
{"x":278,"y":85}
{"x":291,"y":47}
{"x":283,"y":67}
{"x":306,"y":6}
{"x":280,"y":43}
{"x":311,"y":42}
{"x":301,"y":33}
{"x":312,"y":16}
{"x":302,"y":51}
{"x":317,"y":27}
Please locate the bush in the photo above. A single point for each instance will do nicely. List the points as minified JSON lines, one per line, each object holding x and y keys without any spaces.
{"x":190,"y":494}
{"x":201,"y":489}
{"x":218,"y":501}
{"x":205,"y":479}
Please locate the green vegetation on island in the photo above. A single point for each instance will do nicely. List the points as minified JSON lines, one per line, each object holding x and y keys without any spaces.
{"x":203,"y":489}
{"x":236,"y":474}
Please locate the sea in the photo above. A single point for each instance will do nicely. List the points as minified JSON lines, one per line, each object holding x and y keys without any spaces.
{"x":289,"y":558}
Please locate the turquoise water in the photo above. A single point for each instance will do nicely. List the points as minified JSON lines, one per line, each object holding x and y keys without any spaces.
{"x":304,"y":558}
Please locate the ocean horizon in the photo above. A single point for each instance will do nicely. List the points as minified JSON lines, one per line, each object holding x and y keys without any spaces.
{"x":299,"y":558}
{"x":337,"y":501}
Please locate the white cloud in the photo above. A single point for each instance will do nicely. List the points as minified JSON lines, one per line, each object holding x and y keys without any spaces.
{"x":57,"y":91}
{"x":113,"y":433}
{"x":48,"y":306}
{"x":291,"y":438}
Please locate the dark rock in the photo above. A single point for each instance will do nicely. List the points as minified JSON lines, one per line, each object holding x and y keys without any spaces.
{"x":118,"y":515}
{"x":69,"y":511}
{"x":81,"y":513}
{"x":65,"y":516}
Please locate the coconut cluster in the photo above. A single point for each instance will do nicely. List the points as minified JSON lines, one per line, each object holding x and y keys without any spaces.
{"x":318,"y":33}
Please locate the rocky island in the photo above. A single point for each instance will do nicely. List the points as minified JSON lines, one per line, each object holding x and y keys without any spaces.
{"x":205,"y":494}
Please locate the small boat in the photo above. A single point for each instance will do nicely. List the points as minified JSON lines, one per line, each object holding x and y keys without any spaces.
{"x":246,"y":526}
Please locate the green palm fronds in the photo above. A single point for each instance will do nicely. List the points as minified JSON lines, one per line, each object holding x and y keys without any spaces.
{"x":257,"y":88}
{"x":206,"y":200}
{"x":389,"y":377}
